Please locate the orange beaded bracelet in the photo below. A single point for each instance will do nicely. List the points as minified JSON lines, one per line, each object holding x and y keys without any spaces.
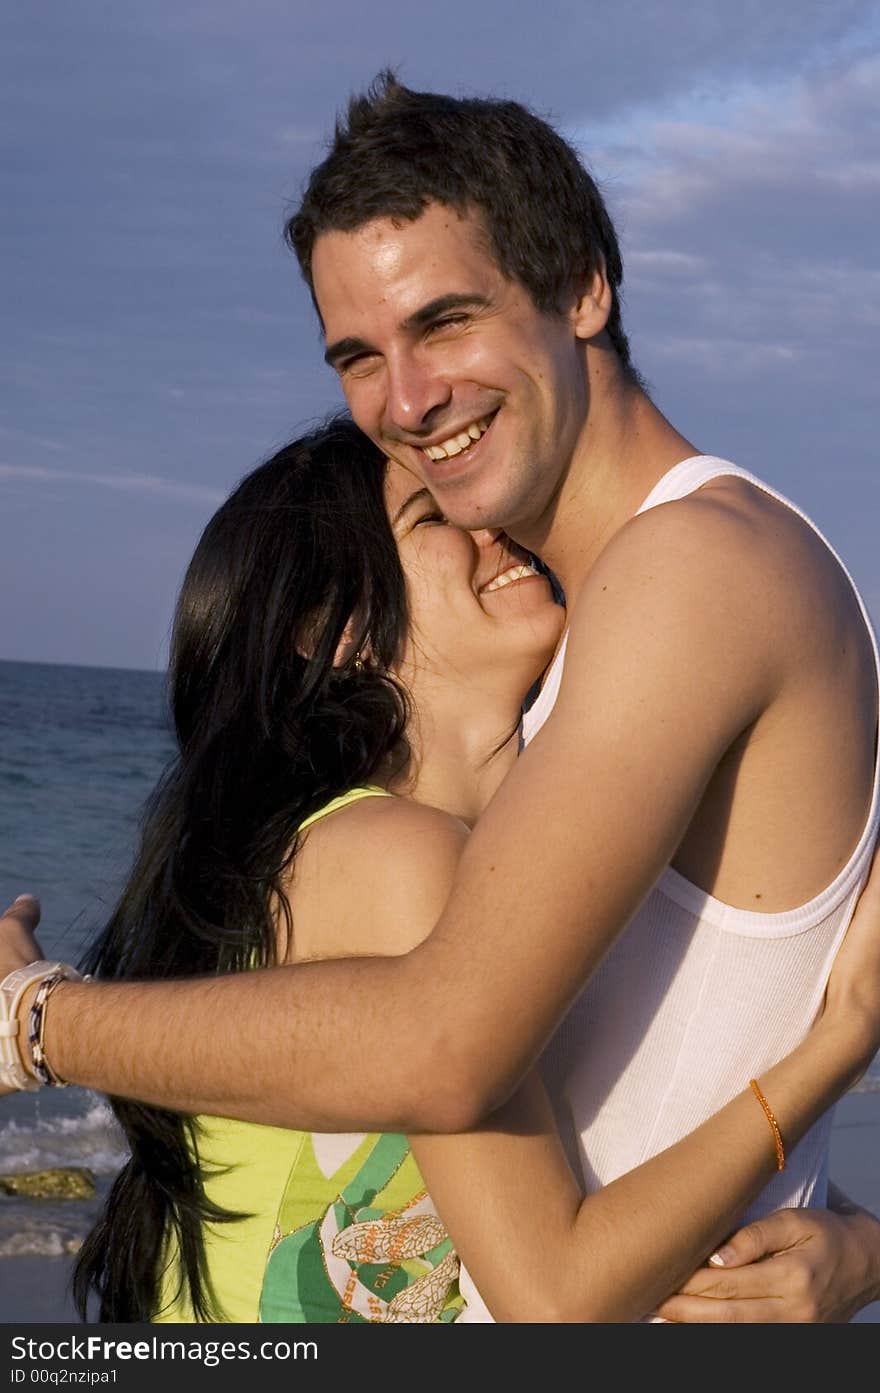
{"x":774,"y":1125}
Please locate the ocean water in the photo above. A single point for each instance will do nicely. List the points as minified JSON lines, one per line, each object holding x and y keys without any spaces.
{"x":80,"y":751}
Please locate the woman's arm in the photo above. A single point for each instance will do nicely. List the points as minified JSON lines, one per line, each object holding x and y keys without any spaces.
{"x":535,"y":1247}
{"x":537,"y":1250}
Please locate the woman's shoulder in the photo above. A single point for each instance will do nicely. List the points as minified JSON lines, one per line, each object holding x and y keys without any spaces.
{"x":373,"y":877}
{"x":393,"y":834}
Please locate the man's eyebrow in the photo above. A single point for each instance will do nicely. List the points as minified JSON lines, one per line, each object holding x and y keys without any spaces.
{"x":345,"y":348}
{"x":415,"y":497}
{"x":443,"y":305}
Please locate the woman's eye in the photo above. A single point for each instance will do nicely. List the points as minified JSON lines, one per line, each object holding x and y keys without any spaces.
{"x":431,"y":517}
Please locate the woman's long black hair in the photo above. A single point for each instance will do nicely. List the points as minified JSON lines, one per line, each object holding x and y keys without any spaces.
{"x":274,"y":715}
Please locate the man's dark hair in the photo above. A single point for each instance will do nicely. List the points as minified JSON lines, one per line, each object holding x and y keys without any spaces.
{"x":400,"y":150}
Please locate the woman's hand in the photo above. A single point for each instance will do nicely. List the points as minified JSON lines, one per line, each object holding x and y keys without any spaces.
{"x":795,"y":1265}
{"x":18,"y":946}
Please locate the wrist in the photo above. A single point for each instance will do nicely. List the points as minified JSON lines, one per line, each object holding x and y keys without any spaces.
{"x":25,"y":996}
{"x":24,"y":1013}
{"x":16,"y":1061}
{"x":860,"y":1258}
{"x":54,"y":1034}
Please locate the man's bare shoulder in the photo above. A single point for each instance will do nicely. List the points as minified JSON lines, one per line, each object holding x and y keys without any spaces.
{"x":728,"y":571}
{"x":373,"y":877}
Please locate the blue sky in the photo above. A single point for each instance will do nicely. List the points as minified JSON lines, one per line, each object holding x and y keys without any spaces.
{"x":158,"y":342}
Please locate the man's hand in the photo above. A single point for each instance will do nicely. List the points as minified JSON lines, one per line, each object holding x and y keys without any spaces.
{"x":18,"y":925}
{"x":797,"y":1265}
{"x":18,"y":946}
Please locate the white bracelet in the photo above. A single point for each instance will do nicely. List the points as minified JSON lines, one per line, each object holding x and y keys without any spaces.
{"x":13,"y":1073}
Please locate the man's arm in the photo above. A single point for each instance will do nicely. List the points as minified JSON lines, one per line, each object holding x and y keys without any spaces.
{"x":816,"y":1265}
{"x":672,"y":655}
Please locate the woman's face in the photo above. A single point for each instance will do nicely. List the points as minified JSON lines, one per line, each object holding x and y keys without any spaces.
{"x":479,"y":613}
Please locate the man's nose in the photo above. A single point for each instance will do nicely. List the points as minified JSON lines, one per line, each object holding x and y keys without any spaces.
{"x":491,"y":556}
{"x":415,"y":392}
{"x":486,"y":537}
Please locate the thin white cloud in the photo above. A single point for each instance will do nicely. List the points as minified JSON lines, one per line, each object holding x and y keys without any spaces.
{"x":748,"y":241}
{"x":300,"y":135}
{"x":125,"y":483}
{"x":813,"y":133}
{"x":671,"y":262}
{"x":727,"y":358}
{"x":41,"y":442}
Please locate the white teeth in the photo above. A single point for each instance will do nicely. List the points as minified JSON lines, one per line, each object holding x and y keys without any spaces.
{"x":508,"y":577}
{"x":456,"y":443}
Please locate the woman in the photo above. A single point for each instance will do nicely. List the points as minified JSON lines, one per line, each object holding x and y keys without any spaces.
{"x":322,"y":663}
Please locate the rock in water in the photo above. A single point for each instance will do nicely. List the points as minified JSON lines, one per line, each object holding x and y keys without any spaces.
{"x":59,"y":1183}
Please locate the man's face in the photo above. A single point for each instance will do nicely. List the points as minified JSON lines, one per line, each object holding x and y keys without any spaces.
{"x":450,"y":368}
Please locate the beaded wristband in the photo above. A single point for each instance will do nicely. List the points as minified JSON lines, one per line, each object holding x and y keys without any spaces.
{"x":774,"y":1125}
{"x":36,"y":1031}
{"x":13,"y":1073}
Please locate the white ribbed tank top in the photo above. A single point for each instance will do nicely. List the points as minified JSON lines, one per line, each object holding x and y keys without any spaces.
{"x":696,"y":997}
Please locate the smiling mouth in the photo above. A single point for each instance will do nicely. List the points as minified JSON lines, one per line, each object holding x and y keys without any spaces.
{"x":509,"y":577}
{"x":462,"y":441}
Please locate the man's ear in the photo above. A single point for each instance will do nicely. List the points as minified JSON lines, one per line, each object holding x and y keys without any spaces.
{"x":592,"y":305}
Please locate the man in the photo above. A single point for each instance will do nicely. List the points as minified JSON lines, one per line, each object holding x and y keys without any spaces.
{"x":718,"y":673}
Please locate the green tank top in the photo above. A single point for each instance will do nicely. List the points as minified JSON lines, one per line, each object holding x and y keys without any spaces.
{"x":338,"y":1227}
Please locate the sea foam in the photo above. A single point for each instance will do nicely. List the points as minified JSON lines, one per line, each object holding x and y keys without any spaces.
{"x":90,"y":1138}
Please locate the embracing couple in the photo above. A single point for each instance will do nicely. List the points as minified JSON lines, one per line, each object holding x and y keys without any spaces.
{"x":461,"y":1030}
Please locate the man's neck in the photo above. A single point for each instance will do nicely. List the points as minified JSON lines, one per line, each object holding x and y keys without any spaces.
{"x":625,"y":446}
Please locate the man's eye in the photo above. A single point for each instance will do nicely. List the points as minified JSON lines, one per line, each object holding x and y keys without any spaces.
{"x":361,"y":363}
{"x":449,"y":321}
